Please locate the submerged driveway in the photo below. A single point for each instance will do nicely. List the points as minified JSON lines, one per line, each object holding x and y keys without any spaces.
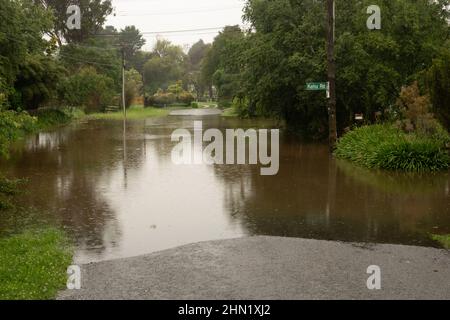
{"x":270,"y":268}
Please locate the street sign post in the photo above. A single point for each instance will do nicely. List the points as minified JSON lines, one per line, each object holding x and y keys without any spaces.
{"x":319,"y":86}
{"x":316,"y":86}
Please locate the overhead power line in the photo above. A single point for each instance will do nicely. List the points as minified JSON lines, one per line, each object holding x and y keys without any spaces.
{"x":176,"y":12}
{"x":170,"y":31}
{"x":88,"y":62}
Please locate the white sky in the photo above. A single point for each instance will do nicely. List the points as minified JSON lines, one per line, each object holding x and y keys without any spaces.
{"x":167,"y":15}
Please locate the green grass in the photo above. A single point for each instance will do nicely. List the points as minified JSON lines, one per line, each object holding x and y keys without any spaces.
{"x":33,"y":265}
{"x":229,"y":113}
{"x":386,"y":147}
{"x":134,"y":112}
{"x":207,"y":105}
{"x":444,"y":240}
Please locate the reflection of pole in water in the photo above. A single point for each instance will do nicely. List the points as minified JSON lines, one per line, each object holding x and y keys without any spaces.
{"x":145,"y":141}
{"x":124,"y":139}
{"x":331,"y":198}
{"x":124,"y":120}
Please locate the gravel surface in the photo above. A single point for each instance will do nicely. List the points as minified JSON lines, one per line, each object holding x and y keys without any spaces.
{"x":270,"y":268}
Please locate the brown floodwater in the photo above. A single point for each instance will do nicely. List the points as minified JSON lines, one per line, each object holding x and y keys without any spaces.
{"x":118,"y":194}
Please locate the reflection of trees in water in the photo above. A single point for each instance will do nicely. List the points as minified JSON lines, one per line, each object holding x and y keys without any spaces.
{"x":63,"y":179}
{"x":312,"y":197}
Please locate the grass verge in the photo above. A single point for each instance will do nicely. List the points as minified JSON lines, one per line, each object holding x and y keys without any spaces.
{"x":229,"y":113}
{"x":444,"y":240}
{"x":386,"y":147}
{"x":33,"y":264}
{"x":133,"y":113}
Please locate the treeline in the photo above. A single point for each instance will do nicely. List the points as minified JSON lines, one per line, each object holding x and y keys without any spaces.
{"x":263,"y":70}
{"x":259,"y":71}
{"x":39,"y":63}
{"x":44,"y":64}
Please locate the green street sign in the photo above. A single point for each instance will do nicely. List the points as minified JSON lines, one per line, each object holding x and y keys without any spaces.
{"x":316,"y":86}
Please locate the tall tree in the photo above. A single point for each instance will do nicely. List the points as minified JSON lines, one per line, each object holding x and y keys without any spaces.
{"x":286,"y":49}
{"x":93,"y":15}
{"x":438,"y":83}
{"x":22,"y":25}
{"x":222,"y":65}
{"x":196,"y":56}
{"x":165,"y":66}
{"x":131,"y":40}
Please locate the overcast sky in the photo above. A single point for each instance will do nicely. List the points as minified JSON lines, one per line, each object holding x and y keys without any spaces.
{"x":151,"y":16}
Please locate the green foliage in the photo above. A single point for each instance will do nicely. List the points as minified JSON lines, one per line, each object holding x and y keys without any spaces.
{"x":444,"y":240}
{"x":438,"y":83}
{"x":185,"y":98}
{"x":3,"y":101}
{"x":222,"y":66}
{"x":387,"y":147}
{"x":165,"y":66}
{"x":98,"y":54}
{"x":93,"y":12}
{"x":174,"y":94}
{"x":194,"y":105}
{"x":133,"y":86}
{"x":196,"y":57}
{"x":162,"y":99}
{"x":415,"y":112}
{"x":239,"y":107}
{"x":133,"y":113}
{"x":88,"y":89}
{"x":48,"y":118}
{"x":131,"y":41}
{"x":197,"y":53}
{"x":14,"y":125}
{"x":22,"y":24}
{"x":33,"y":264}
{"x":229,"y":113}
{"x":287,"y":49}
{"x":37,"y":81}
{"x":8,"y":189}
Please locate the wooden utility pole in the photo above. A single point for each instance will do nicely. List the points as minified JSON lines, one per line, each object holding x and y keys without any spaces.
{"x":331,"y":73}
{"x":123,"y":84}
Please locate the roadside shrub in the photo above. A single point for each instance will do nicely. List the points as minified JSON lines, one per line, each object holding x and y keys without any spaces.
{"x":240,"y":107}
{"x":14,"y":125}
{"x":162,"y":99}
{"x":415,"y":112}
{"x":185,"y":98}
{"x":52,"y":117}
{"x":415,"y":155}
{"x":387,"y":147}
{"x":224,"y":103}
{"x":194,"y":105}
{"x":444,"y":240}
{"x":88,"y":89}
{"x":133,"y":86}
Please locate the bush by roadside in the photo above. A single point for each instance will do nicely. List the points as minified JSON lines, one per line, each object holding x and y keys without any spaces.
{"x":414,"y":141}
{"x":388,"y":147}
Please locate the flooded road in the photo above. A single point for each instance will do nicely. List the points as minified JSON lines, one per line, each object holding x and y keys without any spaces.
{"x":118,"y":194}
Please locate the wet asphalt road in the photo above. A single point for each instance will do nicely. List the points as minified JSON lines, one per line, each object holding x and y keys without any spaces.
{"x":270,"y":268}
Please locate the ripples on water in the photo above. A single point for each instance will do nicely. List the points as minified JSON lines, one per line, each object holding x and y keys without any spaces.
{"x":124,"y":198}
